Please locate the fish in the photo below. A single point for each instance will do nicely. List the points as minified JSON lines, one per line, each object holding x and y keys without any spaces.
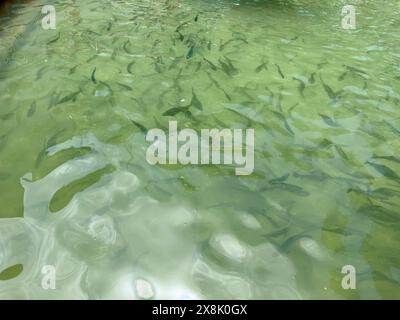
{"x":325,"y":143}
{"x":355,"y":70}
{"x":219,"y":87}
{"x":331,"y":94}
{"x":312,"y":78}
{"x":223,"y":45}
{"x":280,"y":179}
{"x":55,"y":39}
{"x":195,"y":101}
{"x":3,"y":141}
{"x":72,"y":96}
{"x":126,"y":87}
{"x":93,"y":76}
{"x":109,"y":26}
{"x":32,"y":109}
{"x":394,"y":129}
{"x":190,"y":52}
{"x":262,"y":66}
{"x":337,"y":230}
{"x":289,"y":112}
{"x":39,"y":73}
{"x":289,"y":188}
{"x":389,"y":158}
{"x":302,"y":85}
{"x":41,"y":156}
{"x":329,"y":121}
{"x":4,"y":175}
{"x":384,"y":170}
{"x":212,"y":65}
{"x":7,"y":116}
{"x":343,"y":75}
{"x":140,"y":126}
{"x":129,"y":67}
{"x":341,"y":152}
{"x":283,"y":119}
{"x":125,"y":47}
{"x":227,"y":68}
{"x":73,"y":69}
{"x":53,"y":139}
{"x":288,"y":243}
{"x":53,"y":100}
{"x":196,"y":18}
{"x":280,"y":71}
{"x":174,"y":111}
{"x":380,"y":214}
{"x":278,"y":231}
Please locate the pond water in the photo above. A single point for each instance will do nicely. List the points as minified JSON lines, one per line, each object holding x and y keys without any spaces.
{"x":78,"y":195}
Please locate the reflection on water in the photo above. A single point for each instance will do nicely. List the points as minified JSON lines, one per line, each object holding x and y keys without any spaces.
{"x":324,"y":193}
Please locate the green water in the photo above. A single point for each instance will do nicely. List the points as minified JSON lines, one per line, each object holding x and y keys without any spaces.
{"x":324,"y":103}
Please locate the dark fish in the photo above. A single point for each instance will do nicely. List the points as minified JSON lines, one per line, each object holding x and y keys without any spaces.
{"x":287,"y":187}
{"x":212,"y":65}
{"x":129,"y":67}
{"x":219,"y":87}
{"x":195,"y":101}
{"x":283,"y":119}
{"x":3,"y":141}
{"x":312,"y":78}
{"x":41,"y":156}
{"x":93,"y":76}
{"x":394,"y":129}
{"x":125,"y":47}
{"x":109,"y":25}
{"x":302,"y":86}
{"x":126,"y":87}
{"x":280,"y":179}
{"x":389,"y":158}
{"x":292,"y":108}
{"x":53,"y":100}
{"x":355,"y":70}
{"x":196,"y":18}
{"x":53,"y":139}
{"x":4,"y":175}
{"x":337,"y":230}
{"x":190,"y":52}
{"x":331,"y":94}
{"x":72,"y":96}
{"x":384,"y":193}
{"x":379,"y":214}
{"x":328,"y":120}
{"x":226,"y":68}
{"x":222,"y":46}
{"x":39,"y":73}
{"x":209,"y":45}
{"x":7,"y":116}
{"x":280,"y":71}
{"x":141,"y":127}
{"x":174,"y":111}
{"x":55,"y":39}
{"x":181,"y":36}
{"x":344,"y":74}
{"x":278,"y":232}
{"x":288,"y":243}
{"x":325,"y":143}
{"x":341,"y":152}
{"x":384,"y":170}
{"x":73,"y":69}
{"x":32,"y":109}
{"x":262,"y":66}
